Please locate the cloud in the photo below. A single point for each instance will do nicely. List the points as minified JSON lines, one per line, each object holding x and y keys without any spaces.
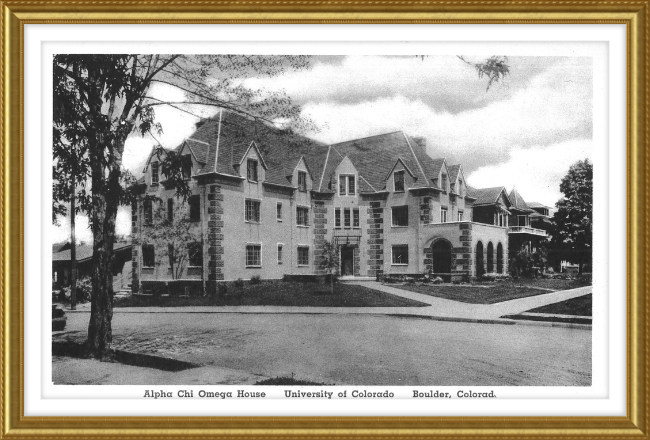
{"x":536,"y":172}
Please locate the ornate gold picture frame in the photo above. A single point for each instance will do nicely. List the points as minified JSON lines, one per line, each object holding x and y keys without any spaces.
{"x":16,"y":14}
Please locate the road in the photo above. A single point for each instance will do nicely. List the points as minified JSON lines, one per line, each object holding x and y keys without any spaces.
{"x":359,"y":350}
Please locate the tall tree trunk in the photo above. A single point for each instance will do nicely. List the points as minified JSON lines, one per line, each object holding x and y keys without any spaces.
{"x":73,"y":240}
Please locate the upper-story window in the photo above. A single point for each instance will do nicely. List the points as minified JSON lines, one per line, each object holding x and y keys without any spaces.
{"x":278,"y":211}
{"x":444,"y":182}
{"x":148,"y":212}
{"x":398,"y":180}
{"x":347,"y":185}
{"x":195,"y":208}
{"x":187,"y":167}
{"x":154,"y":173}
{"x":195,"y":254}
{"x":170,"y":210}
{"x":443,"y":215}
{"x":302,"y":216}
{"x":460,"y":216}
{"x":337,"y":218}
{"x":460,"y":187}
{"x":252,"y":211}
{"x":400,"y":215}
{"x":251,"y":170}
{"x":302,"y":181}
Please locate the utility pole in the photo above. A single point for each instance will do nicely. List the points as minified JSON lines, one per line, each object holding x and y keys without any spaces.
{"x":73,"y":242}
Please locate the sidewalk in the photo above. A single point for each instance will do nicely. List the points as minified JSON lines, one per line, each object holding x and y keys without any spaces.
{"x":438,"y":308}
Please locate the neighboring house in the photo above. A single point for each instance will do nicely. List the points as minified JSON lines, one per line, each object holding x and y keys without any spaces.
{"x":521,"y":231}
{"x":541,"y":218}
{"x":265,"y":202}
{"x":84,"y":254}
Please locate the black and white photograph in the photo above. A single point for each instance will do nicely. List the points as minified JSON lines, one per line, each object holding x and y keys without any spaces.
{"x":358,"y":220}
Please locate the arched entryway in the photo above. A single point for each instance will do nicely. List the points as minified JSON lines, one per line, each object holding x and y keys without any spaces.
{"x":480,"y":270}
{"x":499,"y":258}
{"x":490,"y":258}
{"x":441,"y":256}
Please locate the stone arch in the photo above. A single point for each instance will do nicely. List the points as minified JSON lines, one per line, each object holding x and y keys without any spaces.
{"x":499,"y":258}
{"x":480,"y":268}
{"x":441,"y":258}
{"x":490,"y":257}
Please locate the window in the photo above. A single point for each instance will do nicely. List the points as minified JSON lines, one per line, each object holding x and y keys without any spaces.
{"x":253,"y":255}
{"x":195,"y":254}
{"x":337,"y":218}
{"x":148,"y":212}
{"x":154,"y":173}
{"x":355,"y":218}
{"x":279,"y":253}
{"x":170,"y":210}
{"x":443,"y":215}
{"x":400,"y":215}
{"x":398,"y":180}
{"x":444,"y":182}
{"x":148,"y":255}
{"x":522,"y":220}
{"x":187,"y":167}
{"x":346,"y":217}
{"x":195,"y":208}
{"x":303,"y":256}
{"x":347,"y":185}
{"x":460,"y":216}
{"x":302,"y":181}
{"x":278,"y":211}
{"x":400,"y":254}
{"x":251,"y":170}
{"x":302,"y":216}
{"x":252,"y":211}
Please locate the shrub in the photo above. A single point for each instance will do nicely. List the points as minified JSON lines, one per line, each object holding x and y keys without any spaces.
{"x":84,"y":291}
{"x":256,"y":279}
{"x":493,"y":276}
{"x":238,"y":283}
{"x":222,"y":289}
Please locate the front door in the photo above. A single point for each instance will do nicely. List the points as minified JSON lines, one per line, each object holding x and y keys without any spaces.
{"x":347,"y":261}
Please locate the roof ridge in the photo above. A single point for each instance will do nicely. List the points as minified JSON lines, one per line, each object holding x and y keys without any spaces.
{"x":320,"y":185}
{"x":367,"y":137}
{"x":417,"y":159}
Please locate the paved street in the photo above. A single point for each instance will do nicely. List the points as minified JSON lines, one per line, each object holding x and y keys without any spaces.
{"x":354,"y":349}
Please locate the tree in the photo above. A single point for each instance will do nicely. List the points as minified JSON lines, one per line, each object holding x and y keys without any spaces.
{"x":494,"y":68}
{"x":101,"y":100}
{"x":173,"y":236}
{"x":573,"y":218}
{"x":329,"y":261}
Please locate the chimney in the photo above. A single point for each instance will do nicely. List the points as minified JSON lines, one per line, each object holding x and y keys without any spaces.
{"x":421,"y":142}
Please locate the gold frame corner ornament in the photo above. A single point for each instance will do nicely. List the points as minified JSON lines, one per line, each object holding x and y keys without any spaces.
{"x":15,"y":14}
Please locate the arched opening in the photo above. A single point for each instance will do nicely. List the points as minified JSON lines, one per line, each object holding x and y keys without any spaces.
{"x":441,"y":256}
{"x":499,"y":258}
{"x":490,"y":258}
{"x":479,"y":260}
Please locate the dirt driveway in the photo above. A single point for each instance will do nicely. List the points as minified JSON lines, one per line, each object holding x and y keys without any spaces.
{"x":361,"y":350}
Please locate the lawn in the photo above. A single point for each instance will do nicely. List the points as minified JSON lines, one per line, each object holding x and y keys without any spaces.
{"x":546,"y":283}
{"x":579,"y":306}
{"x":279,"y":294}
{"x":483,"y":294}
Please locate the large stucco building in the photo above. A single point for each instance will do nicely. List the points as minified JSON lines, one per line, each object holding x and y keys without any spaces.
{"x":265,"y":201}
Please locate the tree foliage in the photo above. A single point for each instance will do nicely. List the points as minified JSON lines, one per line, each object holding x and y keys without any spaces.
{"x":573,"y":218}
{"x":495,"y":69}
{"x":329,"y":261}
{"x":174,"y":237}
{"x":101,"y":100}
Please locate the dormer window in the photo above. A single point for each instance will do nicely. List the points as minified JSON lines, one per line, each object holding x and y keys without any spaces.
{"x":154,"y":173}
{"x":302,"y":181}
{"x":444,"y":182}
{"x":398,"y":180}
{"x":187,"y":167}
{"x":251,"y":170}
{"x":347,"y":185}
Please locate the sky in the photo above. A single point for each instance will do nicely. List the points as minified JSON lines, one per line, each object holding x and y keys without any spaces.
{"x":525,"y":131}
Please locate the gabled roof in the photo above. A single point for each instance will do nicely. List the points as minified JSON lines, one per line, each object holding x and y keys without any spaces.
{"x":226,"y":138}
{"x":537,"y":205}
{"x":374,"y":157}
{"x":487,"y":196}
{"x":518,"y":201}
{"x":259,"y":153}
{"x":198,"y":149}
{"x":399,"y":160}
{"x":453,"y":172}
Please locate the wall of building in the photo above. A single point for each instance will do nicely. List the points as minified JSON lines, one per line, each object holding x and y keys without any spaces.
{"x":489,"y":234}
